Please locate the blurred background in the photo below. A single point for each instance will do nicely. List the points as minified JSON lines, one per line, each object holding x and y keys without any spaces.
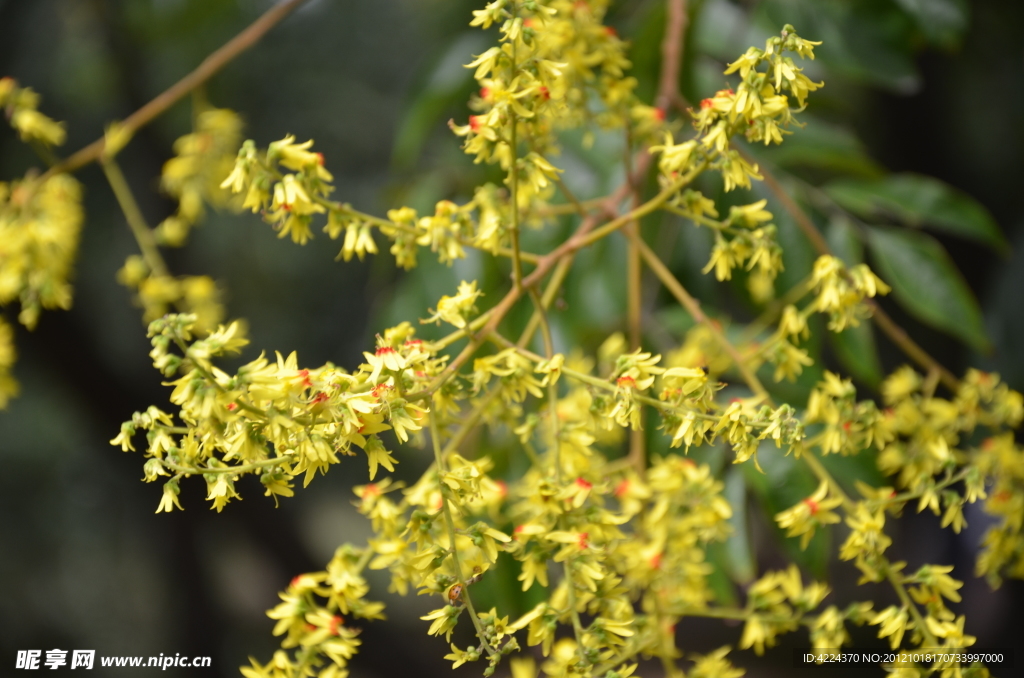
{"x":933,"y":87}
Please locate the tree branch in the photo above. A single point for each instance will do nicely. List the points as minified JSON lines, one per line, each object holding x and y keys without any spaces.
{"x":671,"y":55}
{"x":210,"y":66}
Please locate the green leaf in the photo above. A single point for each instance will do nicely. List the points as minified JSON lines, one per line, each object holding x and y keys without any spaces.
{"x":738,"y":547}
{"x":847,"y":470}
{"x":722,"y":588}
{"x":821,"y":145}
{"x":942,"y":21}
{"x":868,"y":41}
{"x":856,"y":349}
{"x":927,"y":283}
{"x":446,"y":87}
{"x":917,"y":200}
{"x":787,"y":481}
{"x":843,"y":240}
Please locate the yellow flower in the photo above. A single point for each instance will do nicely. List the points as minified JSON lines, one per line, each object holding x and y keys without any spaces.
{"x":893,"y":622}
{"x":170,"y":497}
{"x":802,"y":519}
{"x":443,"y":621}
{"x":455,"y":310}
{"x":290,"y":196}
{"x":674,"y":157}
{"x":750,"y":215}
{"x":8,"y":385}
{"x":715,"y":665}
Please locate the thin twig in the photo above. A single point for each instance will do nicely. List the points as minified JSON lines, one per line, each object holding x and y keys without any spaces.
{"x":671,"y":54}
{"x":142,"y":232}
{"x":206,"y":70}
{"x":693,"y":307}
{"x":435,"y":437}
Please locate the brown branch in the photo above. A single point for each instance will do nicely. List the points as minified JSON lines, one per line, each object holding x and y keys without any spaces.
{"x":693,"y":307}
{"x":803,"y":221}
{"x":671,"y":55}
{"x":206,"y":70}
{"x":668,"y":92}
{"x":900,"y":337}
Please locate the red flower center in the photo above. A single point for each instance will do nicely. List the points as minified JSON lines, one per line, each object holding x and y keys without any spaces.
{"x":335,"y":622}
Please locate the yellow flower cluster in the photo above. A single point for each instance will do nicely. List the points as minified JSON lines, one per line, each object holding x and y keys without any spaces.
{"x":621,"y":548}
{"x":21,"y":106}
{"x":310,"y":616}
{"x":555,"y":62}
{"x":758,"y":107}
{"x":157,"y":293}
{"x":776,"y":602}
{"x":272,"y":417}
{"x":194,"y":178}
{"x":194,"y":175}
{"x":841,"y":292}
{"x":39,"y":230}
{"x":8,"y":384}
{"x":40,"y":221}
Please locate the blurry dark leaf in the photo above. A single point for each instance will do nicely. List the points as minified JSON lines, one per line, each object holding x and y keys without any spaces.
{"x":446,"y":88}
{"x":868,"y":40}
{"x":1004,"y":318}
{"x":856,"y":349}
{"x":721,"y":586}
{"x":855,"y":346}
{"x":786,"y":481}
{"x":849,"y":469}
{"x":738,"y":551}
{"x":718,"y":581}
{"x":927,"y":283}
{"x":942,"y":21}
{"x":918,"y":200}
{"x":797,"y":254}
{"x":645,"y":34}
{"x":821,"y":145}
